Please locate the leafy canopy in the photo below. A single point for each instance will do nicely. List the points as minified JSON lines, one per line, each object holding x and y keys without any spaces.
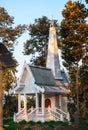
{"x":74,"y":34}
{"x":38,"y":40}
{"x":8,"y":36}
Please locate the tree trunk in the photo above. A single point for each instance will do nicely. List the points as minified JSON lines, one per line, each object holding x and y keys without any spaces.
{"x":77,"y":98}
{"x":1,"y":104}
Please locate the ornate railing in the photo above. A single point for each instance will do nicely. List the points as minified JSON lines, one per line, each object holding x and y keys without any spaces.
{"x":22,"y":115}
{"x":57,"y":115}
{"x":32,"y":113}
{"x":64,"y":114}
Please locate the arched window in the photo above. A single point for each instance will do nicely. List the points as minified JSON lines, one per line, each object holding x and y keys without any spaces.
{"x":47,"y":103}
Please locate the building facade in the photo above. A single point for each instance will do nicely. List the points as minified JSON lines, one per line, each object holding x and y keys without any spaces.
{"x":48,"y":85}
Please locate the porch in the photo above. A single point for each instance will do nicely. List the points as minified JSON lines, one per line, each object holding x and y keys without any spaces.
{"x":42,"y":113}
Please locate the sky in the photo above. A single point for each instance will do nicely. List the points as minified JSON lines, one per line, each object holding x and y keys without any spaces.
{"x":25,"y":12}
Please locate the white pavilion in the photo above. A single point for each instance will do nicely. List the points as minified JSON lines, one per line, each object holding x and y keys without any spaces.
{"x":49,"y":85}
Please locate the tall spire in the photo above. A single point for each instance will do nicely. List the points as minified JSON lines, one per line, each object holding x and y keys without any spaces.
{"x":52,"y":56}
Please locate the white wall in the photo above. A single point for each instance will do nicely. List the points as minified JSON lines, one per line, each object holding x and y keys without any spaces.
{"x":28,"y":80}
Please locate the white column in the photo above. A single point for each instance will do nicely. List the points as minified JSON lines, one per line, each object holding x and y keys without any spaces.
{"x":37,"y":101}
{"x":19,"y":102}
{"x":43,"y":104}
{"x":60,"y":101}
{"x":25,"y":107}
{"x":25,"y":103}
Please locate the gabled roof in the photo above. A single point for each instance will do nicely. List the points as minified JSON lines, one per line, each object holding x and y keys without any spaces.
{"x":42,"y":75}
{"x":43,"y":80}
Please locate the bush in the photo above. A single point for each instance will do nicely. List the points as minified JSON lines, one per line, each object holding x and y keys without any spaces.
{"x":61,"y":123}
{"x":8,"y":110}
{"x":13,"y":127}
{"x":23,"y":122}
{"x":7,"y":120}
{"x":48,"y":125}
{"x":31,"y":122}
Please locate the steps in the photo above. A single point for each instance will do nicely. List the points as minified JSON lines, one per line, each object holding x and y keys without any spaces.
{"x":36,"y":115}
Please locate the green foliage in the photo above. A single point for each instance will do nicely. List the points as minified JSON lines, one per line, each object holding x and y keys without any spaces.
{"x":83,"y":88}
{"x":28,"y":129}
{"x":13,"y":127}
{"x":84,"y":123}
{"x":73,"y":32}
{"x":71,"y":108}
{"x":37,"y":44}
{"x":48,"y":125}
{"x":9,"y":124}
{"x":74,"y":36}
{"x":31,"y":122}
{"x":10,"y":106}
{"x":9,"y":78}
{"x":8,"y":36}
{"x":7,"y":120}
{"x":30,"y":102}
{"x":22,"y":122}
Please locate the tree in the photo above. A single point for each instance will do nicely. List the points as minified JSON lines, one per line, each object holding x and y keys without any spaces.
{"x":74,"y":36}
{"x":8,"y":36}
{"x":83,"y":89}
{"x":83,"y":77}
{"x":37,"y":44}
{"x":9,"y":78}
{"x":8,"y":111}
{"x":30,"y":102}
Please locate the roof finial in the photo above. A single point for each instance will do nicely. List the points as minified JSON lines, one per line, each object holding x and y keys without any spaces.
{"x":52,"y":21}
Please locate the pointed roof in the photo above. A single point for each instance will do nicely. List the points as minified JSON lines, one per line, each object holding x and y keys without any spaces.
{"x":52,"y":58}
